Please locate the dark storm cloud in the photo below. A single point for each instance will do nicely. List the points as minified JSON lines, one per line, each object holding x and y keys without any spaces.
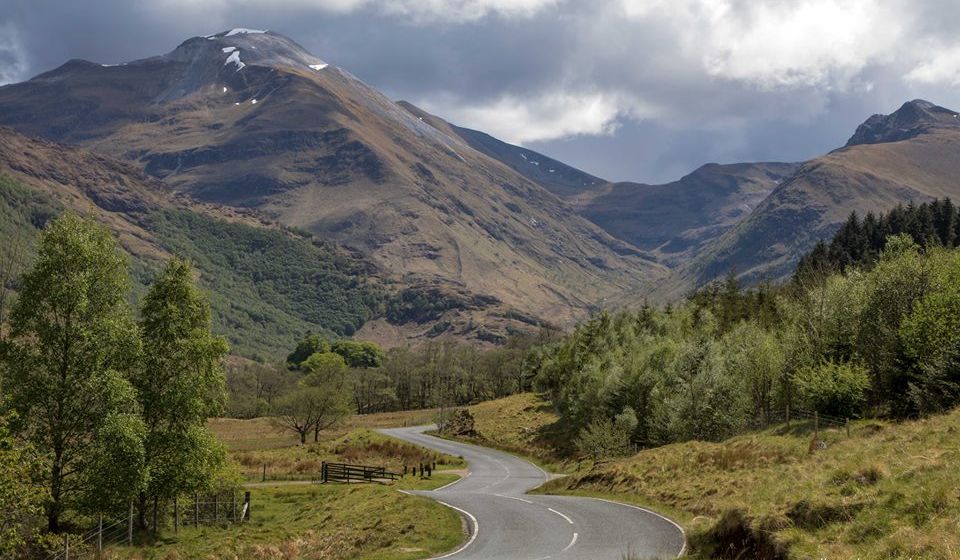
{"x":645,"y":90}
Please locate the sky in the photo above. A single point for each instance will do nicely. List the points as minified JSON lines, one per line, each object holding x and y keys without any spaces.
{"x":640,"y":90}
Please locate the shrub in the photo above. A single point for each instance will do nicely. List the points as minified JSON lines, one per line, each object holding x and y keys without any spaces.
{"x":604,"y":438}
{"x":838,"y":389}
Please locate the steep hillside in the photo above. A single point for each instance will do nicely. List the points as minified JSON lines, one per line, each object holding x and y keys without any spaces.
{"x":249,"y":119}
{"x":557,"y":177}
{"x":672,"y":221}
{"x":676,"y":220}
{"x":267,"y":285}
{"x":910,"y":155}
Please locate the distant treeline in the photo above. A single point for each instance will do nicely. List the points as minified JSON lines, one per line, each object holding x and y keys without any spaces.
{"x":438,"y":373}
{"x":860,"y":241}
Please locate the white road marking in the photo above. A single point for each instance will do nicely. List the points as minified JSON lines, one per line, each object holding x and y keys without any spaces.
{"x":473,"y":537}
{"x":667,"y":519}
{"x":570,"y":521}
{"x":514,"y":498}
{"x":573,"y":541}
{"x":449,"y":484}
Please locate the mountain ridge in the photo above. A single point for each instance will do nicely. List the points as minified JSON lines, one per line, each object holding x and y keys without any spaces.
{"x":321,"y":151}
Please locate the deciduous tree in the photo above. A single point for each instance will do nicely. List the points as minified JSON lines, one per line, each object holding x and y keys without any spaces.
{"x":180,"y":383}
{"x":72,"y":343}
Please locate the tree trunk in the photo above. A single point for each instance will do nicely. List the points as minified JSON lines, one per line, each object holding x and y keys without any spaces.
{"x":303,"y":437}
{"x":316,"y":433}
{"x":142,"y":511}
{"x":56,"y":482}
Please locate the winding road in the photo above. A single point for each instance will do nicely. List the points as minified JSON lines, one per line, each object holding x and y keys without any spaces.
{"x":507,"y":524}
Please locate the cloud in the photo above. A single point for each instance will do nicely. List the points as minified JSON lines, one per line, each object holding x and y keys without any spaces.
{"x":545,"y":117}
{"x":418,"y":11}
{"x":13,"y":57}
{"x":777,"y":44}
{"x":941,"y":67}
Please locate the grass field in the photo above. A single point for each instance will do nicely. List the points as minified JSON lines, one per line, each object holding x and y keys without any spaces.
{"x":291,"y":519}
{"x":888,"y":491}
{"x":361,"y":446}
{"x":261,"y":433}
{"x":329,"y":522}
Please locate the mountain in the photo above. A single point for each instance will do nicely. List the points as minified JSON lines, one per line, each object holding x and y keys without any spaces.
{"x":676,"y":220}
{"x":555,"y":176}
{"x":268,"y":285}
{"x":249,"y":119}
{"x":912,"y":154}
{"x":672,"y":221}
{"x":911,"y":120}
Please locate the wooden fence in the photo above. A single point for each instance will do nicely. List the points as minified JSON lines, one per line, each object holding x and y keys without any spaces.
{"x":343,"y":472}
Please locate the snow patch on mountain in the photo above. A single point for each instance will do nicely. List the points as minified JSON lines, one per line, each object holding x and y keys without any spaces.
{"x":228,"y":49}
{"x":235,"y":58}
{"x":318,"y":67}
{"x":243,"y":30}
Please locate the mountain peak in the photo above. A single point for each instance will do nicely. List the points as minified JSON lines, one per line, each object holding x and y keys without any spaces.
{"x":241,"y":46}
{"x":911,"y":119}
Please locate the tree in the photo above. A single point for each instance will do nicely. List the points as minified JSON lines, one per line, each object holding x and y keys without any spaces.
{"x":327,"y":371}
{"x":756,"y":357}
{"x":180,"y":383}
{"x":838,"y":389}
{"x":310,"y":345}
{"x":72,"y":342}
{"x":311,"y":408}
{"x":359,"y":354}
{"x":324,"y":368}
{"x":253,"y":387}
{"x":21,"y":497}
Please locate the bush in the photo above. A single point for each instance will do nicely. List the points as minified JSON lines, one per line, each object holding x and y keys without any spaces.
{"x":837,"y":389}
{"x":604,"y":438}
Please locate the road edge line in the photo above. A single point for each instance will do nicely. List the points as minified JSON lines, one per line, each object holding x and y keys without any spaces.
{"x":683,"y":533}
{"x":449,"y":484}
{"x":473,"y":535}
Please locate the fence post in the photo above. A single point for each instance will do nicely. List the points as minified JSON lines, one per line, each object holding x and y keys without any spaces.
{"x":130,"y":525}
{"x":816,"y":425}
{"x":66,"y":547}
{"x":323,"y":471}
{"x":196,"y":509}
{"x":100,"y":537}
{"x":246,"y":501}
{"x":264,"y":478}
{"x":176,"y":514}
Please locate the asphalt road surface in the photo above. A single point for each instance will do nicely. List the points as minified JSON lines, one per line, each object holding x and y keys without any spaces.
{"x":507,"y":524}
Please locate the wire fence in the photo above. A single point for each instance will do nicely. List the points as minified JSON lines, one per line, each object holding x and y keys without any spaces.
{"x":791,"y":416}
{"x":196,"y":510}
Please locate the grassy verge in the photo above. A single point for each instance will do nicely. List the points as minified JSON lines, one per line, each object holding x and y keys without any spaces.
{"x":523,"y":424}
{"x":888,"y":490}
{"x":330,"y":522}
